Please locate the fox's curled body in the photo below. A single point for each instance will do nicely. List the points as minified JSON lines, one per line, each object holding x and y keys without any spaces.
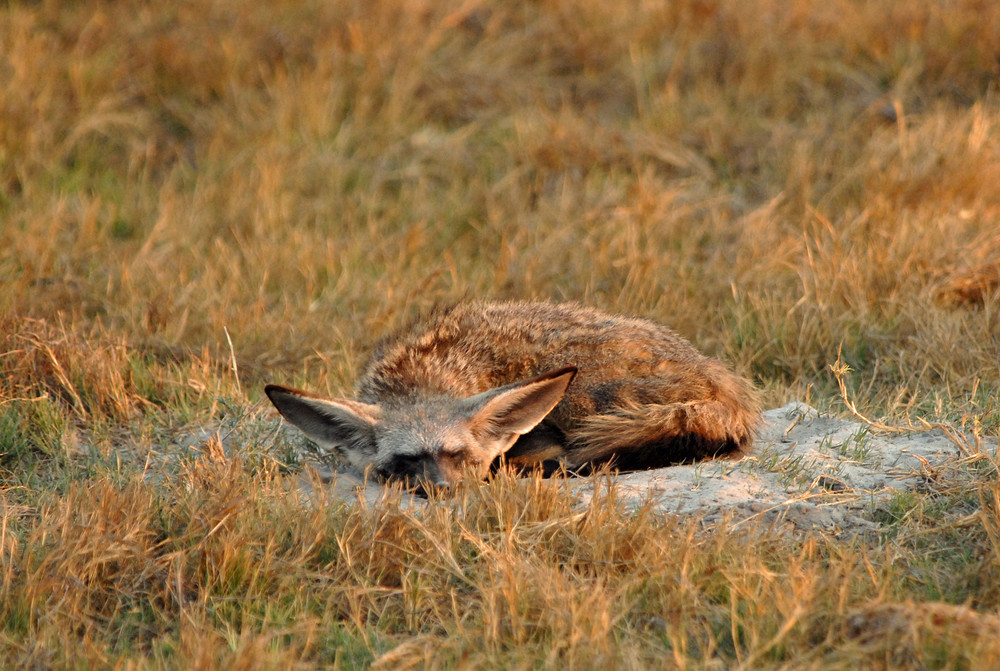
{"x":535,"y":383}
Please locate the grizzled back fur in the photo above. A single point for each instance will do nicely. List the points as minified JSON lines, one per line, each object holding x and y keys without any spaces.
{"x":536,"y":383}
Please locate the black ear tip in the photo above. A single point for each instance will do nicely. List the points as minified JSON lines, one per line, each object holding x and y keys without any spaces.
{"x":568,"y":370}
{"x":273,"y":390}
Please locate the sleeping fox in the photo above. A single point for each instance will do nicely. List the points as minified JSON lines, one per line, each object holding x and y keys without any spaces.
{"x":535,"y":385}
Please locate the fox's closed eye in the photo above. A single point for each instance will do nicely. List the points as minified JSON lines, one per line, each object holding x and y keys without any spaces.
{"x":453,"y":450}
{"x":463,"y":458}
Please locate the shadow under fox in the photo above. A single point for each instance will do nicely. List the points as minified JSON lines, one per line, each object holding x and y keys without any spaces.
{"x":535,"y":384}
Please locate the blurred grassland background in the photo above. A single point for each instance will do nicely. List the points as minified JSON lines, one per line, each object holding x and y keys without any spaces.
{"x":197,"y":197}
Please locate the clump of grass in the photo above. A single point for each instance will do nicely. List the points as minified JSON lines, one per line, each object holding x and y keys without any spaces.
{"x":29,"y":426}
{"x":87,"y":375}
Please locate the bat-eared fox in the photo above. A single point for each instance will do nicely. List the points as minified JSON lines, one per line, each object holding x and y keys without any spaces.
{"x":535,"y":385}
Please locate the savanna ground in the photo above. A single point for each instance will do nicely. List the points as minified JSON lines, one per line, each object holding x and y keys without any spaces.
{"x":198,"y":197}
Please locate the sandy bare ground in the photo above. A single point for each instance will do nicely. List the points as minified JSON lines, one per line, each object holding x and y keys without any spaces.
{"x":813,"y":470}
{"x":807,"y":469}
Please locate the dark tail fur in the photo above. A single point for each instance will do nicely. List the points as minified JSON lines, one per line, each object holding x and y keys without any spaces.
{"x":635,"y":436}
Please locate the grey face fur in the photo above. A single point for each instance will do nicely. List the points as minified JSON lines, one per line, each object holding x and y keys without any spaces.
{"x":431,"y":442}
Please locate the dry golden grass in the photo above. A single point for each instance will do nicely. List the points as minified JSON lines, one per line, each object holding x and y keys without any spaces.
{"x":196,"y":197}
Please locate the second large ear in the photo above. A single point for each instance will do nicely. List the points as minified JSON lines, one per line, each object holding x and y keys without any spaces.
{"x":499,"y":416}
{"x":346,"y":426}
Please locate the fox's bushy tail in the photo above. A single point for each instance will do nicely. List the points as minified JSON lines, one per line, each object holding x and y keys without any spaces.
{"x":634,"y":436}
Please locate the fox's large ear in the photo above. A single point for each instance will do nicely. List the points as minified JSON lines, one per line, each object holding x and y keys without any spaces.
{"x":341,"y":425}
{"x":500,"y":415}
